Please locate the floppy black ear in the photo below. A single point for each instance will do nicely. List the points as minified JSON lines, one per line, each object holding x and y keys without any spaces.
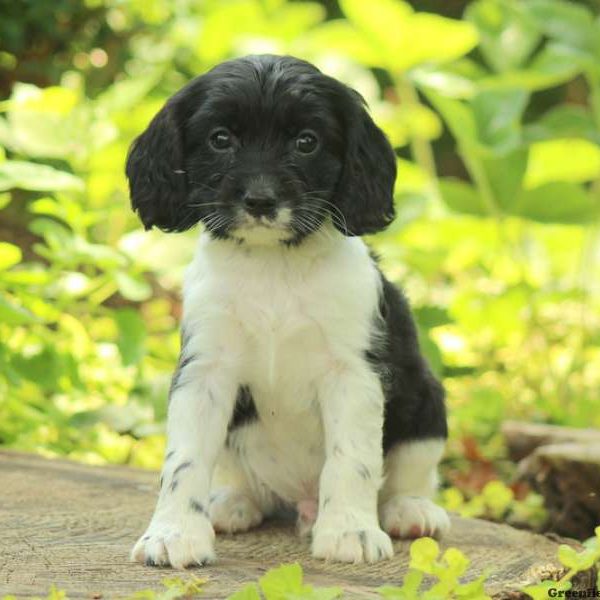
{"x":157,"y":181}
{"x":365,"y":192}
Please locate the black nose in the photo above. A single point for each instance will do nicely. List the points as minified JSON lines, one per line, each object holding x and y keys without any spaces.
{"x":260,"y":204}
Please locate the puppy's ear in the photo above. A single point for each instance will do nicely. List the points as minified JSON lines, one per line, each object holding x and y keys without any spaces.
{"x":365,"y":192}
{"x":157,"y":181}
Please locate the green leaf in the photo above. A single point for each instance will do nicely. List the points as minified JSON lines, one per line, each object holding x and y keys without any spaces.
{"x":340,"y":36}
{"x":56,"y":594}
{"x":498,"y":116}
{"x":578,"y":561}
{"x":382,"y":23}
{"x":408,"y":591}
{"x":568,"y":22}
{"x":5,"y":200}
{"x":508,"y":35}
{"x":123,"y":95}
{"x":458,"y":116}
{"x":462,"y":197}
{"x":423,"y":554}
{"x":554,"y":65}
{"x":429,"y":316}
{"x":505,"y":176}
{"x":277,"y":583}
{"x":573,"y":160}
{"x":44,"y":368}
{"x":565,"y":121}
{"x":14,"y":315}
{"x":53,"y":122}
{"x":248,"y":592}
{"x":404,"y":39}
{"x":559,"y":202}
{"x":32,"y":176}
{"x":433,"y":38}
{"x":457,"y":562}
{"x":405,"y":122}
{"x":473,"y":590}
{"x":133,"y":287}
{"x":132,"y":335}
{"x":497,"y":497}
{"x":443,"y":81}
{"x":10,"y":255}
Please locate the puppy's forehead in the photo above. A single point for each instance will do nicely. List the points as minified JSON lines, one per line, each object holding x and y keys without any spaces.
{"x":266,"y":88}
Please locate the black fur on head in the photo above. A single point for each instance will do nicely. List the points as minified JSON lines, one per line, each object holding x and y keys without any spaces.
{"x":263,"y":143}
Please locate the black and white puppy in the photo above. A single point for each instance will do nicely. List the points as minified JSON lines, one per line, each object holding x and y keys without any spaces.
{"x":300,"y":380}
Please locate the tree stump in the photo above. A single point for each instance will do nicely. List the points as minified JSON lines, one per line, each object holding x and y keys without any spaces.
{"x":523,"y":438}
{"x":73,"y":526}
{"x":562,"y":464}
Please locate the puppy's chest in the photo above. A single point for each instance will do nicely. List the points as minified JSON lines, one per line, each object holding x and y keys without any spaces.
{"x":287,"y":326}
{"x":285,"y":317}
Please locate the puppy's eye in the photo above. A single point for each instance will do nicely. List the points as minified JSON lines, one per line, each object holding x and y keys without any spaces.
{"x":306,"y":142}
{"x":221,"y":139}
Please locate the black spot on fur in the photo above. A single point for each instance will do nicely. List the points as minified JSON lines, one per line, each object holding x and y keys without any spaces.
{"x":362,"y":536}
{"x":198,"y":507}
{"x":182,"y":466}
{"x":244,"y":411}
{"x":363,"y":471}
{"x":176,"y":381}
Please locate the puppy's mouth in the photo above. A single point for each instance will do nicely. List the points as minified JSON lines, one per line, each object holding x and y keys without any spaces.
{"x":280,"y":219}
{"x":264,"y":229}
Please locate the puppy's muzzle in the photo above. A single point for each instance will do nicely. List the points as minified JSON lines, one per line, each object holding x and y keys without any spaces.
{"x":260,"y":198}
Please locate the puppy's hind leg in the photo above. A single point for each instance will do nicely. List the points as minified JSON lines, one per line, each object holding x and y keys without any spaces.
{"x":405,"y":506}
{"x":237,"y":501}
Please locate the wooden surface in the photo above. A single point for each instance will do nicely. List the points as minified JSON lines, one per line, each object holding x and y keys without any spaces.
{"x":71,"y":525}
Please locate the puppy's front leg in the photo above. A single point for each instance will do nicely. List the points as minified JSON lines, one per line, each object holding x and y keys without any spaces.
{"x":347,"y":527}
{"x":201,"y":405}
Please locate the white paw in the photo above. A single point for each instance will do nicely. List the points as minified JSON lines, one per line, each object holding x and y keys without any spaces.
{"x":176,"y":544}
{"x":354,"y":546}
{"x":413,"y":517}
{"x":232,"y":511}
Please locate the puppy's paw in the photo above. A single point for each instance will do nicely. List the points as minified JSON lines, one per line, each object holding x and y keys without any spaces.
{"x":353,"y":546}
{"x":231,"y":511}
{"x":179,"y":546}
{"x":413,"y":517}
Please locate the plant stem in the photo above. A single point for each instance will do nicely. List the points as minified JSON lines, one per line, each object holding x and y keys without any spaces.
{"x":420,"y":148}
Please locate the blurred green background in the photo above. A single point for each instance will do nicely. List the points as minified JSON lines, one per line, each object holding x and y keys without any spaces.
{"x":494,"y":107}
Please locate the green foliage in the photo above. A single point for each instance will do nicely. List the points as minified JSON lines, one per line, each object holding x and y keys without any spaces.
{"x":285,"y":583}
{"x":497,"y":502}
{"x":574,"y":562}
{"x":448,"y":570}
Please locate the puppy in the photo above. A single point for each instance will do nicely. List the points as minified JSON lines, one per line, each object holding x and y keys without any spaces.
{"x":300,"y":380}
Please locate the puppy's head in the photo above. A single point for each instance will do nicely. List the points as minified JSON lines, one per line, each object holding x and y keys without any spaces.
{"x":263,"y":148}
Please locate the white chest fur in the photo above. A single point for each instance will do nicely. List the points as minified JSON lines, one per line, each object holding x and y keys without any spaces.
{"x":277,"y":312}
{"x":280,"y":319}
